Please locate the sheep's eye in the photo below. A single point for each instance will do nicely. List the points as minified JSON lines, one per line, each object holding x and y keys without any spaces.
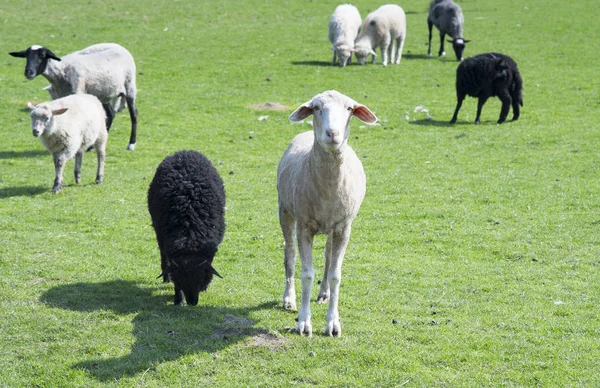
{"x":316,"y":109}
{"x":350,"y":109}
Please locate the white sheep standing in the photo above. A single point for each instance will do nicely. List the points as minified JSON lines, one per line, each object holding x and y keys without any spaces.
{"x":69,"y":126}
{"x":344,"y":26}
{"x":381,"y":28}
{"x":105,"y":70}
{"x":321,"y":184}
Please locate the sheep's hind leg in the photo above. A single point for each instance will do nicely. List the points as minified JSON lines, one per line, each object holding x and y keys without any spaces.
{"x":324,"y":290}
{"x":340,"y":241}
{"x":101,"y":154}
{"x":305,"y":243}
{"x":506,"y":103}
{"x":78,"y":161}
{"x":133,"y":115}
{"x":288,"y":226}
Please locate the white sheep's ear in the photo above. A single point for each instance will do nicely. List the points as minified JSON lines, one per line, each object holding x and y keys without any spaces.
{"x":301,"y":113}
{"x":30,"y":105}
{"x":363,"y":113}
{"x":59,"y":112}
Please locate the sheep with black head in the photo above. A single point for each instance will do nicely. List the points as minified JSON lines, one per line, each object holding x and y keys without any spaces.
{"x":186,"y":201}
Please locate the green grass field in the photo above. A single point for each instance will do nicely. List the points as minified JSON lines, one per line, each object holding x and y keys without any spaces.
{"x":474,"y":260}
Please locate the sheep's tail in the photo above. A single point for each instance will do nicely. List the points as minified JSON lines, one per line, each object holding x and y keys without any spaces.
{"x":519,"y":87}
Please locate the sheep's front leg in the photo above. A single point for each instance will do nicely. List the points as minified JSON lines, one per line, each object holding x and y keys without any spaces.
{"x":59,"y":166}
{"x":334,"y":57}
{"x":288,"y":226}
{"x":441,"y":53}
{"x":305,"y":243}
{"x":78,"y":160}
{"x":480,"y":104}
{"x":385,"y":52}
{"x":430,"y":26}
{"x":460,"y":98}
{"x":339,"y":243}
{"x":324,"y":290}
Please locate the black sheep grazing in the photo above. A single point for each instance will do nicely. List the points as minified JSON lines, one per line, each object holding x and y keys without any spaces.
{"x":487,"y":75}
{"x":186,"y":201}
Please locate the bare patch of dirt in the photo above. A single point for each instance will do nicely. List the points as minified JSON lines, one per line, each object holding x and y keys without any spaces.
{"x":270,"y":106}
{"x":271,"y":341}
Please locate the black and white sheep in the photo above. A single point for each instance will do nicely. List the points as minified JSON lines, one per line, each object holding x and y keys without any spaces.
{"x":105,"y":70}
{"x":68,"y":127}
{"x":344,"y":25}
{"x":447,"y":16}
{"x":321,"y":184}
{"x":487,"y":75}
{"x":186,"y":201}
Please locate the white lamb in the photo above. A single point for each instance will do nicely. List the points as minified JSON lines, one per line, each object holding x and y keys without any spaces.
{"x":344,"y":26}
{"x":321,"y":184}
{"x":381,"y":28}
{"x":105,"y":70}
{"x":69,"y":126}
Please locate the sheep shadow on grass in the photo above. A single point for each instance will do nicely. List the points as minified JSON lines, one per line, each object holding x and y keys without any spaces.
{"x":19,"y":191}
{"x":163,"y":332}
{"x":431,"y":123}
{"x":23,"y":154}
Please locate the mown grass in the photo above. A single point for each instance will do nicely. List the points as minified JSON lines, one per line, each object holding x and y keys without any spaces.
{"x":473,"y":261}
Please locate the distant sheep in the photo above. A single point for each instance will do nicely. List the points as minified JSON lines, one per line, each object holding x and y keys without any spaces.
{"x":69,"y":126}
{"x":344,"y":26}
{"x":381,"y":28}
{"x":487,"y":75}
{"x":105,"y":70}
{"x":447,"y":16}
{"x":321,"y":184}
{"x":186,"y":201}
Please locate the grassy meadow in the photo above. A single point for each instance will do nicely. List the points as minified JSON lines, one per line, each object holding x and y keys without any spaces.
{"x":475,"y":258}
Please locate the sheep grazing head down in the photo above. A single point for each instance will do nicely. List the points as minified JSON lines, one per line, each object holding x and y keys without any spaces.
{"x":458,"y":45}
{"x":344,"y":52}
{"x":362,"y":53}
{"x":191,"y":274}
{"x":332,"y":112}
{"x":41,"y":117}
{"x":37,"y":60}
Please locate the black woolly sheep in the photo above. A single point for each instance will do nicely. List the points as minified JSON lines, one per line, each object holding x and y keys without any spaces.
{"x":186,"y":201}
{"x":487,"y":75}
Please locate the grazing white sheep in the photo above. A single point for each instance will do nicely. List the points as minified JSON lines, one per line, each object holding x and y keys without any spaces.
{"x":105,"y":70}
{"x":447,"y":16}
{"x":344,"y":26}
{"x":381,"y":28}
{"x":69,"y":126}
{"x":321,"y":184}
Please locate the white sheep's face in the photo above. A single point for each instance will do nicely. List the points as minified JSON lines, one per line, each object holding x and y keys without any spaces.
{"x":344,"y":53}
{"x":331,"y":113}
{"x":41,"y":118}
{"x":362,"y":53}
